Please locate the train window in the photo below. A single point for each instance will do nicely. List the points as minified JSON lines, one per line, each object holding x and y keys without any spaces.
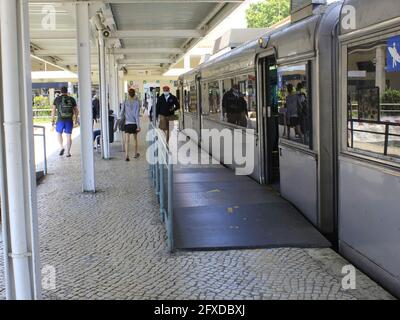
{"x":213,"y":100}
{"x":186,"y":97}
{"x":373,"y":98}
{"x":295,"y":118}
{"x":239,"y":102}
{"x":204,"y":99}
{"x":193,"y":99}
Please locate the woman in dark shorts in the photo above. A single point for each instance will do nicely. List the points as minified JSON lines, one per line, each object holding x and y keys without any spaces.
{"x":131,"y":113}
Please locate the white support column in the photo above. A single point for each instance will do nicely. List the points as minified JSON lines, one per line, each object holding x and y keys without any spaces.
{"x":116,"y":82}
{"x":17,"y":165}
{"x":121,"y":85}
{"x":113,"y":89}
{"x":85,"y":97}
{"x":380,"y":80}
{"x":103,"y":99}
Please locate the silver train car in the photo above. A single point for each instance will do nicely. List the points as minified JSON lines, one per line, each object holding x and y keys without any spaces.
{"x":337,"y":156}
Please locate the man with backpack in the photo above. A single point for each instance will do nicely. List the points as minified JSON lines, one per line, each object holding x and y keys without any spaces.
{"x":66,"y":109}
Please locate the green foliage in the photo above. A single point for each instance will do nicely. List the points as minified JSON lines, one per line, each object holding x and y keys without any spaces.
{"x":391,"y":96}
{"x":266,"y":13}
{"x":41,"y":102}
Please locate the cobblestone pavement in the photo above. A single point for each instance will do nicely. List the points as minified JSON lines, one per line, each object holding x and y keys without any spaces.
{"x":111,"y":245}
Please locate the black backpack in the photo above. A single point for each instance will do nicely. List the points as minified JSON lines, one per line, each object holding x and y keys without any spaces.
{"x":66,"y":108}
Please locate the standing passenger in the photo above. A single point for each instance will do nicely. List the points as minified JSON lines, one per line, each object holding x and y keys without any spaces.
{"x":131,"y":113}
{"x":167,"y":104}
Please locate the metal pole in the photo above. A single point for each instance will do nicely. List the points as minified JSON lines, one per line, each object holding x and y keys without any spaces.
{"x":3,"y":192}
{"x":116,"y":92}
{"x":170,"y":220}
{"x":385,"y":151}
{"x":85,"y":96}
{"x":44,"y":151}
{"x":18,"y":169}
{"x":104,"y":109}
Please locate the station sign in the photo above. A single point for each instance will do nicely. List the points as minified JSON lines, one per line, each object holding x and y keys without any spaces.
{"x":393,"y":54}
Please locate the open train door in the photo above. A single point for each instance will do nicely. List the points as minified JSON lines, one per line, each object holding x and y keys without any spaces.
{"x":268,"y":87}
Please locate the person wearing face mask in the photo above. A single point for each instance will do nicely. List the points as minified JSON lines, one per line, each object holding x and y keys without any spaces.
{"x":235,"y":107}
{"x":167,"y":104}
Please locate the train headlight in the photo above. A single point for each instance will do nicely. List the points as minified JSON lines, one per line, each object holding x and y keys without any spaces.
{"x":262,"y":42}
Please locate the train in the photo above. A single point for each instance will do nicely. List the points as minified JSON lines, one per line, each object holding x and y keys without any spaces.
{"x":332,"y":148}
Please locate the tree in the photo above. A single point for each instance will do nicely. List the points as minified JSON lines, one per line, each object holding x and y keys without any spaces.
{"x":266,"y":13}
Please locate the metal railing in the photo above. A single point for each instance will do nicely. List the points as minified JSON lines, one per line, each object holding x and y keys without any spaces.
{"x":386,"y":132}
{"x":43,"y":135}
{"x":162,"y":177}
{"x":41,"y":113}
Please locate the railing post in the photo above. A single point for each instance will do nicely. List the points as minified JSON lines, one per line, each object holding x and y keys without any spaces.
{"x":385,"y":152}
{"x":170,"y":219}
{"x":44,"y":151}
{"x":352,"y":133}
{"x":157,"y":170}
{"x":161,"y":195}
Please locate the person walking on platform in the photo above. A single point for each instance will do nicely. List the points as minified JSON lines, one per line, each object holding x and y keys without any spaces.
{"x":96,"y":109}
{"x":167,"y":104}
{"x":130,"y":114}
{"x":66,"y":109}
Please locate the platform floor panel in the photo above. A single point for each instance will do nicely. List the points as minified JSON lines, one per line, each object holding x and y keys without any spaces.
{"x":271,"y":225}
{"x":224,"y":197}
{"x":216,"y":209}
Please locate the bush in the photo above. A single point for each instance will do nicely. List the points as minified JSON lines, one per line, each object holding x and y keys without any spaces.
{"x":391,"y":96}
{"x":41,"y":102}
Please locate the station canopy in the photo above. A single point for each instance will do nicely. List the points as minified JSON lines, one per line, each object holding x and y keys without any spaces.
{"x":149,"y":35}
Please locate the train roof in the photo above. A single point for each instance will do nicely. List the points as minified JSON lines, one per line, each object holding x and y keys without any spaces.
{"x":288,"y":40}
{"x":369,"y":13}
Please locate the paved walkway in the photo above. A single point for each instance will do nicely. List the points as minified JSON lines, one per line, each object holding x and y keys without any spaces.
{"x":111,"y":245}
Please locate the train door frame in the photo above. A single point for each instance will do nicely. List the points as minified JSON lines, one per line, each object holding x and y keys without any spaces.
{"x":199,"y":106}
{"x":182,"y":105}
{"x":265,"y":120}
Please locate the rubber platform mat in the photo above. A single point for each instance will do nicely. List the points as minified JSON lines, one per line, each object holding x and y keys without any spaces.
{"x":215,"y":209}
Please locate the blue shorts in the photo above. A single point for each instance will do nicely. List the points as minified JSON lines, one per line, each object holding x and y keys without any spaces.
{"x":64,"y":126}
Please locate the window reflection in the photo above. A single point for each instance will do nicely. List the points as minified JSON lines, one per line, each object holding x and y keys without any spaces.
{"x":373,"y":98}
{"x":239,"y":103}
{"x":190,"y":99}
{"x":294,"y":106}
{"x":211,"y":100}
